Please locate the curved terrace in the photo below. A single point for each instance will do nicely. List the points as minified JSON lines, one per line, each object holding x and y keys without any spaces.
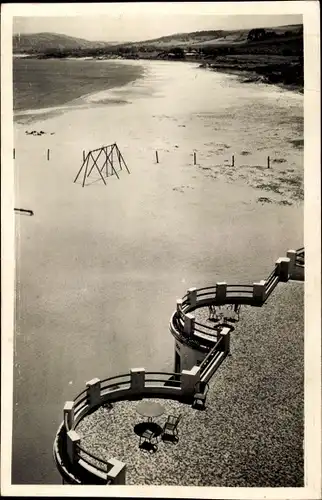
{"x":253,"y":426}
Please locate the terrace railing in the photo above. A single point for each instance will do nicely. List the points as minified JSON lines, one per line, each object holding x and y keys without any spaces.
{"x":300,"y":257}
{"x":74,"y":461}
{"x":69,"y":450}
{"x":183,"y":324}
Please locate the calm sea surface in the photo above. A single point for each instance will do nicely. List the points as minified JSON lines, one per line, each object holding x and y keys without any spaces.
{"x":45,"y":83}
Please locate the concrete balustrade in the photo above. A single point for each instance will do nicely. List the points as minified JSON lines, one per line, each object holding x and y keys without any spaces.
{"x":259,"y":290}
{"x":283,"y":267}
{"x":73,"y":440}
{"x":189,"y":324}
{"x":116,"y":470}
{"x":224,"y":345}
{"x":291,"y":254}
{"x":179,"y":305}
{"x":69,"y":414}
{"x":93,"y":392}
{"x":137,"y":380}
{"x":192,"y":296}
{"x":117,"y":473}
{"x":189,"y":379}
{"x":221,"y":291}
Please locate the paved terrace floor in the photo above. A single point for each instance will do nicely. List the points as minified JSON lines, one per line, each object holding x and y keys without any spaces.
{"x":251,"y":433}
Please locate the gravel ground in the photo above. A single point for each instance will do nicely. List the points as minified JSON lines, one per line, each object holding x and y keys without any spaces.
{"x":251,"y":433}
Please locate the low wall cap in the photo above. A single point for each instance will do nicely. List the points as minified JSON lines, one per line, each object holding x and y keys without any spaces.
{"x":93,"y":381}
{"x":73,"y":435}
{"x":69,"y":405}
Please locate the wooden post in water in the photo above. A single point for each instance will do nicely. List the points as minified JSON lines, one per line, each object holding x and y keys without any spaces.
{"x":233,"y":161}
{"x":111,"y":159}
{"x":85,"y":172}
{"x":118,"y":156}
{"x":268,"y":162}
{"x":157,"y":156}
{"x":47,"y":154}
{"x":14,"y":153}
{"x":195,"y":158}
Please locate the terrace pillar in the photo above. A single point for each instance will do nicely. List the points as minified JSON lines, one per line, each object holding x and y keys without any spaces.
{"x":291,"y":254}
{"x":221,"y":291}
{"x":225,"y":342}
{"x":73,"y":440}
{"x":93,"y":392}
{"x":189,"y":379}
{"x":189,"y":324}
{"x":69,"y":414}
{"x":117,"y":472}
{"x":192,"y":297}
{"x":137,"y":380}
{"x":283,"y":267}
{"x":259,"y":290}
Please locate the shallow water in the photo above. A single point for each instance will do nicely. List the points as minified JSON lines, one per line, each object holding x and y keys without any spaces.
{"x":99,"y":269}
{"x":47,"y":83}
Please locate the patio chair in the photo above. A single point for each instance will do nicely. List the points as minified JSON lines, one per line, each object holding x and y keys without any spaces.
{"x":199,"y":399}
{"x":214,"y":313}
{"x":236,"y":311}
{"x":170,"y":428}
{"x":146,"y":441}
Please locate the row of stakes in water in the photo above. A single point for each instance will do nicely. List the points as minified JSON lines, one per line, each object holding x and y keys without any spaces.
{"x":195,"y":159}
{"x":14,"y":154}
{"x":156,"y":156}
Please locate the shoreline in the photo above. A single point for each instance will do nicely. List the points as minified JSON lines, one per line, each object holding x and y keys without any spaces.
{"x":28,"y":114}
{"x":250,"y":75}
{"x":246,"y":75}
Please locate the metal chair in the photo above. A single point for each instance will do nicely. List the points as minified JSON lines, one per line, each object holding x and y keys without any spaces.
{"x":170,"y":428}
{"x":146,"y":439}
{"x":226,"y":313}
{"x":236,"y":310}
{"x":214,"y":313}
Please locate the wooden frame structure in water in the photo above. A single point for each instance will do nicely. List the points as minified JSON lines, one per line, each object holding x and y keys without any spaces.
{"x":102,"y":158}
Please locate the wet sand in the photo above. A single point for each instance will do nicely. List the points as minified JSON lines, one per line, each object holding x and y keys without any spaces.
{"x":99,"y":268}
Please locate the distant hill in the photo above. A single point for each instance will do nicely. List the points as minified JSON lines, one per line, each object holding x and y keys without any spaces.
{"x":199,"y":39}
{"x":194,"y":38}
{"x":41,"y":42}
{"x":38,"y":43}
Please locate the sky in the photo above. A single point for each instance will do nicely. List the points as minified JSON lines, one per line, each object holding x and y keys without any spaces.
{"x":128,"y":22}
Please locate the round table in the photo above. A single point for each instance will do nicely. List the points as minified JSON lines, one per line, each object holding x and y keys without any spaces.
{"x":150,"y":409}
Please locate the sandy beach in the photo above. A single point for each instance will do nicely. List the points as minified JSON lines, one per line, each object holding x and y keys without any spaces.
{"x":99,"y":268}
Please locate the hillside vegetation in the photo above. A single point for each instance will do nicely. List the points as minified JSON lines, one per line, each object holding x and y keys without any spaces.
{"x":41,"y":42}
{"x":198,"y":39}
{"x":272,"y":55}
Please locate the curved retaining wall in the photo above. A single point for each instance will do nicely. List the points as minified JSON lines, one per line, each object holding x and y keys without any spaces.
{"x":187,"y":330}
{"x":77,"y":465}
